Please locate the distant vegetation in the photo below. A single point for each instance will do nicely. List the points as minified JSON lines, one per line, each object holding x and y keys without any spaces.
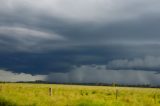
{"x":23,"y":94}
{"x":91,"y":84}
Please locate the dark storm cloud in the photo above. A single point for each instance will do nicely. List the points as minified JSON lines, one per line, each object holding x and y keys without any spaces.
{"x":63,"y":60}
{"x":60,"y":60}
{"x":102,"y":22}
{"x":147,"y":63}
{"x":55,"y":36}
{"x":99,"y":74}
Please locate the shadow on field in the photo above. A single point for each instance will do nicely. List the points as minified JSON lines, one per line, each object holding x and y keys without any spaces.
{"x":4,"y":102}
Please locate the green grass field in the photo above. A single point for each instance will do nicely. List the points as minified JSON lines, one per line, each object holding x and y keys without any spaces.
{"x":13,"y":94}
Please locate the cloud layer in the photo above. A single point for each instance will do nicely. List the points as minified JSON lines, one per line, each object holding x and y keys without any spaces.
{"x":54,"y":36}
{"x":84,"y":10}
{"x":99,"y":74}
{"x":81,"y":22}
{"x":14,"y":77}
{"x":24,"y":39}
{"x":146,"y":63}
{"x":88,"y":74}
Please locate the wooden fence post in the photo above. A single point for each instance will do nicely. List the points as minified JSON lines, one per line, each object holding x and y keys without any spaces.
{"x":50,"y":91}
{"x":117,"y":94}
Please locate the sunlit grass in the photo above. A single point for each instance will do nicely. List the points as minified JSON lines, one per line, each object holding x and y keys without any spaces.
{"x":75,"y":95}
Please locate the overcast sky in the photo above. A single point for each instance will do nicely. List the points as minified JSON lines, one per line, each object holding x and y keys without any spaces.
{"x":80,"y":41}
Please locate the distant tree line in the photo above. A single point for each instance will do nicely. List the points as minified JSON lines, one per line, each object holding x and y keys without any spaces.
{"x":90,"y":84}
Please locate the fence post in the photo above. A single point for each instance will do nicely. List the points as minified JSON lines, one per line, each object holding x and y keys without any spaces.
{"x":117,"y":94}
{"x":50,"y":91}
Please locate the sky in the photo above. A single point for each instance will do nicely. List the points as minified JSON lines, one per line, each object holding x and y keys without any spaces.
{"x":81,"y":41}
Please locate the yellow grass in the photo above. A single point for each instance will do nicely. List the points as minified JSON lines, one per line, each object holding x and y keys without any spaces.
{"x":14,"y":94}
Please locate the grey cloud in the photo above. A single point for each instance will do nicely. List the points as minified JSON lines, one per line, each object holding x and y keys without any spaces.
{"x":14,"y":77}
{"x":99,"y":74}
{"x":24,"y":39}
{"x":42,"y":37}
{"x":62,"y":60}
{"x":121,"y":21}
{"x":93,"y":11}
{"x":24,"y":33}
{"x":88,"y":74}
{"x":146,"y":63}
{"x":84,"y":10}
